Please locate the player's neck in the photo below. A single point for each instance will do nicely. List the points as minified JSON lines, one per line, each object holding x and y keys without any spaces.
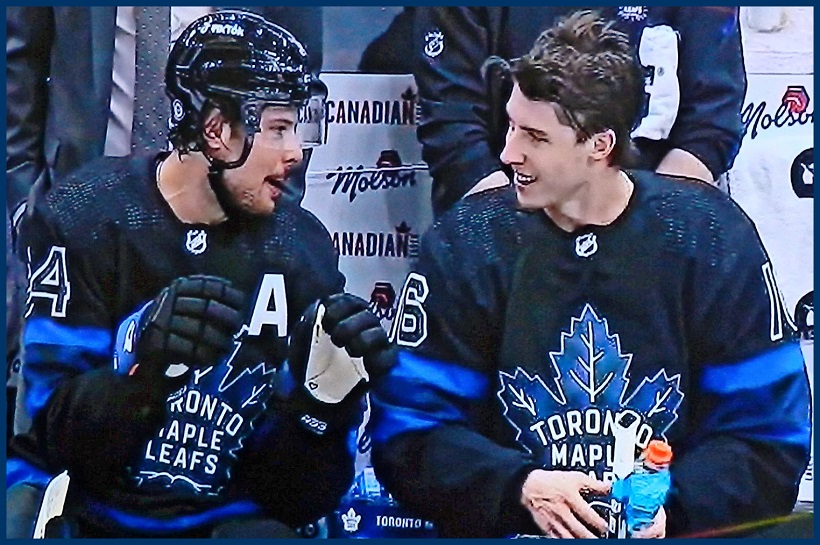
{"x":183,"y":182}
{"x":600,"y":201}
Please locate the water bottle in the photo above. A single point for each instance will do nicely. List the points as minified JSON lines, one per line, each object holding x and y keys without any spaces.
{"x":644,"y":490}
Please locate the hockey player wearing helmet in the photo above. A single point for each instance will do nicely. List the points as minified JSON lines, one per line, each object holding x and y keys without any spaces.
{"x":243,"y":104}
{"x":184,"y":323}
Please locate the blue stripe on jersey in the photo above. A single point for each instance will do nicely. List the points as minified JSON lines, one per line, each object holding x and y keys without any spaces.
{"x":55,"y":351}
{"x":756,"y":372}
{"x":142,"y":524}
{"x":421,"y":393}
{"x":47,"y":331}
{"x":765,"y":398}
{"x":125,"y":357}
{"x":21,"y":471}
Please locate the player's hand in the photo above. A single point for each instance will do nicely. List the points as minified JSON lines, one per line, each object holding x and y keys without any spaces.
{"x":656,"y":530}
{"x":353,"y":326}
{"x":337,"y":349}
{"x":555,"y":499}
{"x":191,"y":323}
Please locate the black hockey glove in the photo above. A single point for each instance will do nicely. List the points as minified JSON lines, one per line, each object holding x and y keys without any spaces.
{"x":337,"y":348}
{"x":190,"y":324}
{"x":352,"y":326}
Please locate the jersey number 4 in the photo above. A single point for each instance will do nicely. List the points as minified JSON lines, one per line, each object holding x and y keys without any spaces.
{"x":50,"y":281}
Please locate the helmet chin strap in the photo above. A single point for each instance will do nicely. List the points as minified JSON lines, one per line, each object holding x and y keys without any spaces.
{"x":216,"y":169}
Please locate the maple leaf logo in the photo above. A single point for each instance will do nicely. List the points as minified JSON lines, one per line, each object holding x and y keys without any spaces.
{"x":592,"y":360}
{"x":525,"y":398}
{"x":351,"y":520}
{"x":658,"y":400}
{"x":566,"y":421}
{"x":209,"y":422}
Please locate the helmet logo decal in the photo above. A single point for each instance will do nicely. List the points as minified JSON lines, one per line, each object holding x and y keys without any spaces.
{"x":433,"y":43}
{"x":177,"y":110}
{"x":227,"y":29}
{"x":196,"y":241}
{"x":586,"y":245}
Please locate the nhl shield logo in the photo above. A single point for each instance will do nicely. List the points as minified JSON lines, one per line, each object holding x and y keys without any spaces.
{"x":196,"y":241}
{"x":586,"y":245}
{"x":433,"y":43}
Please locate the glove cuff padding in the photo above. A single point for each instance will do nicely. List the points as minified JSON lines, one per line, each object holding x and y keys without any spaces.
{"x":96,"y":424}
{"x":329,"y":383}
{"x":324,"y":418}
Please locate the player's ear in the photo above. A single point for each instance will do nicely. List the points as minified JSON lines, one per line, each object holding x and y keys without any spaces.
{"x":601,"y":144}
{"x":216,"y":130}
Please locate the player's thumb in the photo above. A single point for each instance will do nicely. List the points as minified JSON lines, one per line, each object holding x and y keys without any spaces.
{"x":594,"y":487}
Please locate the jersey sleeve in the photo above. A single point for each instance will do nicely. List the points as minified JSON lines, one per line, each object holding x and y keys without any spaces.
{"x":68,"y":331}
{"x":76,"y":401}
{"x":751,"y":406}
{"x":712,"y":86}
{"x":427,"y":413}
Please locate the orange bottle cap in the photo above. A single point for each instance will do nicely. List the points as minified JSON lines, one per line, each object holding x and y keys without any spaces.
{"x":658,"y":452}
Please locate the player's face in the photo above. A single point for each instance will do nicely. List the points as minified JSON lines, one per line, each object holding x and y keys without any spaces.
{"x":258,"y":183}
{"x":548,"y":161}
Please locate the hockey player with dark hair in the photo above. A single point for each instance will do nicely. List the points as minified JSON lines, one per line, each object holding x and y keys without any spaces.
{"x":694,"y":85}
{"x":191,"y":358}
{"x":585,"y":301}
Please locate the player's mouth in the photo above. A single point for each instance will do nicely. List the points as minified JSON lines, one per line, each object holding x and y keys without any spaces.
{"x":523,"y":179}
{"x":276,"y":186}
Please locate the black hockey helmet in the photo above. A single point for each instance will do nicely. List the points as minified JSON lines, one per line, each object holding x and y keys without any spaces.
{"x":240,"y":58}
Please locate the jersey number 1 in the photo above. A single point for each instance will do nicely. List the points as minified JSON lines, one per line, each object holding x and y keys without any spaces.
{"x":776,"y":307}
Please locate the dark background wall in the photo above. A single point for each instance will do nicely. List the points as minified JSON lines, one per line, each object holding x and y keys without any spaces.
{"x":348,"y":30}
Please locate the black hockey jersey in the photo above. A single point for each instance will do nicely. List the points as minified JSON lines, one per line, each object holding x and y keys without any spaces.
{"x":523,"y":342}
{"x":100,"y":246}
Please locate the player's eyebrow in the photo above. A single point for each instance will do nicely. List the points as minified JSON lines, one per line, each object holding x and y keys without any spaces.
{"x":532,"y":131}
{"x":280,"y":118}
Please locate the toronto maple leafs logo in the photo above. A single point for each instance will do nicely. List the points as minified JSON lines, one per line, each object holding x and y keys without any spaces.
{"x":350,"y":520}
{"x":208,"y":420}
{"x":567,"y":422}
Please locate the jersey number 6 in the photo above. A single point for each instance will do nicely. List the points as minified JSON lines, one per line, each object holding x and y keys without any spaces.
{"x":410,"y":325}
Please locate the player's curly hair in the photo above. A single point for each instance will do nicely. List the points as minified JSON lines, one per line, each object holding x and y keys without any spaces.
{"x":186,"y":134}
{"x":590,"y":71}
